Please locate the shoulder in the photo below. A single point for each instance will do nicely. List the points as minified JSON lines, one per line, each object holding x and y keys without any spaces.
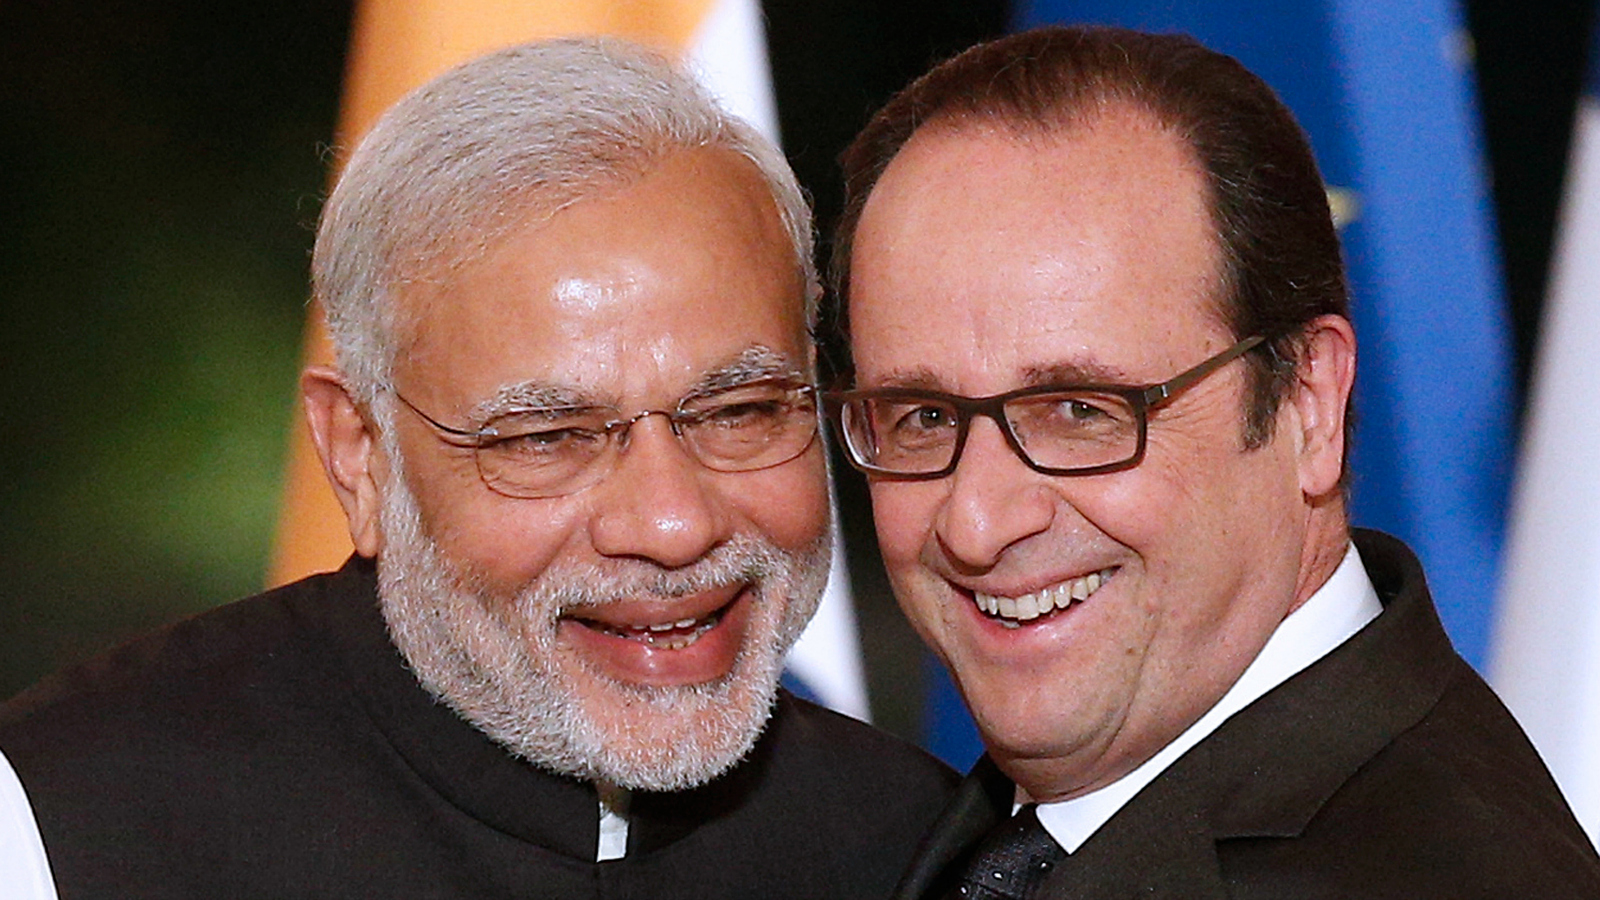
{"x":1390,"y":764}
{"x":1466,"y":778}
{"x":857,"y":758}
{"x":824,"y":806}
{"x":870,"y":787}
{"x":1459,"y":804}
{"x":207,"y":748}
{"x":1463,"y":772}
{"x":203,"y":674}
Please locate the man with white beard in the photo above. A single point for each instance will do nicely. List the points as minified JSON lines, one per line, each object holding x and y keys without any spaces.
{"x":573,"y":430}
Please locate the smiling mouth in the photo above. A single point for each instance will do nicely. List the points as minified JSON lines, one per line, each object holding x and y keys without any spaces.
{"x":674,"y":635}
{"x":1012,"y":612}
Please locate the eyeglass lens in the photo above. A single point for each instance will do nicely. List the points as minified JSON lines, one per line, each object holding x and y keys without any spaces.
{"x":1057,"y":430}
{"x":556,"y":451}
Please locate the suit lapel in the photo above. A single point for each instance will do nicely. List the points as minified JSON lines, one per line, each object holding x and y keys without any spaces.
{"x":983,"y":799}
{"x":1279,"y":760}
{"x":1268,"y":770}
{"x":1161,"y":845}
{"x":1265,"y":773}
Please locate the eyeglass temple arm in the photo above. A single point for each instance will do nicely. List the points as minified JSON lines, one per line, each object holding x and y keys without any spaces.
{"x":446,"y":429}
{"x":1161,"y":393}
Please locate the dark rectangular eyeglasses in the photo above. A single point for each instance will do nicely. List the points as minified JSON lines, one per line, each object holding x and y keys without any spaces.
{"x":1055,"y":429}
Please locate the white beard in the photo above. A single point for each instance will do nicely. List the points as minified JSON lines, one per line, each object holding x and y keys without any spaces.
{"x":496,"y":661}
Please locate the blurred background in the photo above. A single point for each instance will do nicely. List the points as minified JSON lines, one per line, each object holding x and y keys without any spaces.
{"x":161,"y":170}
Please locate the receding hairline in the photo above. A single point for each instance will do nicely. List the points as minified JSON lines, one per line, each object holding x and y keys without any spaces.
{"x":1107,"y":113}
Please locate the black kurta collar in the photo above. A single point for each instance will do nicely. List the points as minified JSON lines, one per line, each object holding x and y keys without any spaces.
{"x":451,"y":757}
{"x":479,"y":777}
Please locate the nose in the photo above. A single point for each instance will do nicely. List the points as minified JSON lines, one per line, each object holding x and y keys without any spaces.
{"x":995,"y":501}
{"x":658,"y":503}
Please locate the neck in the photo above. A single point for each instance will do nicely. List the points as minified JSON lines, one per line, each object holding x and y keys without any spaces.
{"x":1112,"y":754}
{"x":1327,"y":536}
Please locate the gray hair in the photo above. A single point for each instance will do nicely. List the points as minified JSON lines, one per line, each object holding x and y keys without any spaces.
{"x":466,"y":157}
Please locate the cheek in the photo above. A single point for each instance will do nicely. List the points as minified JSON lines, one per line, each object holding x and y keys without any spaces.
{"x":508,"y":543}
{"x":1168,"y":499}
{"x":903,"y":513}
{"x":1130,"y":509}
{"x":787,"y":504}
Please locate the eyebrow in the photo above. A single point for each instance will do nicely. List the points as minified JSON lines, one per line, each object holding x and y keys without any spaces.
{"x":920,"y":378}
{"x":1073,"y":372}
{"x":529,"y":397}
{"x":754,"y":363}
{"x":1067,"y":374}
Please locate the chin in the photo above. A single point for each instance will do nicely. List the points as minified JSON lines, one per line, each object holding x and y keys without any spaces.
{"x":615,"y":732}
{"x":497,"y":662}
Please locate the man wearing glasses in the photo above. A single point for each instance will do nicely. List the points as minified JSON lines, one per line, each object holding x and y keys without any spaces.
{"x":573,"y":429}
{"x":1101,"y":371}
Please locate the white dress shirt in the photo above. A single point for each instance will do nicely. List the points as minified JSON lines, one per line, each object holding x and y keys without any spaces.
{"x":1328,"y":618}
{"x":24,"y":871}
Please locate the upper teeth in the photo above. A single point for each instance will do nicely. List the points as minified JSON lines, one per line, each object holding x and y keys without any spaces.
{"x":1034,"y":605}
{"x":686,"y":631}
{"x":668,"y":626}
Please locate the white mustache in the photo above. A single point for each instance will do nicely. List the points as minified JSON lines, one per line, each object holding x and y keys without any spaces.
{"x":573,"y":591}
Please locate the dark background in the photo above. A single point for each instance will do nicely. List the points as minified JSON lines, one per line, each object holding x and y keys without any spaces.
{"x":161,"y":169}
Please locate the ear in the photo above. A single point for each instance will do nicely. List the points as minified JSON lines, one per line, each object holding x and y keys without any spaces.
{"x":1320,"y":398}
{"x":348,"y":447}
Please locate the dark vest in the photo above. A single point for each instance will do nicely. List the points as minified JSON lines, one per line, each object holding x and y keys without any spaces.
{"x":280,"y":748}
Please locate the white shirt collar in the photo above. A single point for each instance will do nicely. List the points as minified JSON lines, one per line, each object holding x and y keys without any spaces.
{"x":1329,"y":617}
{"x":614,"y":802}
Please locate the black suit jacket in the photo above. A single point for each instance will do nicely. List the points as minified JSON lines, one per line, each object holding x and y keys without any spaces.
{"x":1386,"y":769}
{"x":279,"y":748}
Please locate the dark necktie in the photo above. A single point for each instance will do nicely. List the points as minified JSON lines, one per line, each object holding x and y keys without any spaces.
{"x":1010,"y":860}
